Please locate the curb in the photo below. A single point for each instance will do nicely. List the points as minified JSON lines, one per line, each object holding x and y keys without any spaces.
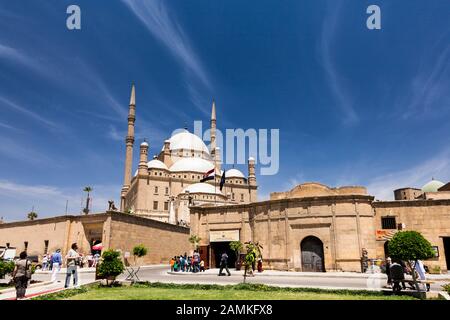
{"x":444,"y":295}
{"x":34,"y":285}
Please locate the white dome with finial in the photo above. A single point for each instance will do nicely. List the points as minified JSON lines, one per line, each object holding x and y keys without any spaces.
{"x":234,"y":173}
{"x":187,"y":141}
{"x":156,"y":164}
{"x":432,"y":186}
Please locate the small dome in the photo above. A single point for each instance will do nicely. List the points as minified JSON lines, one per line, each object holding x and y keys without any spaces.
{"x":192,"y":165}
{"x":187,"y":141}
{"x":156,"y":164}
{"x":234,"y":173}
{"x":251,"y":159}
{"x":432,"y":186}
{"x":202,"y":188}
{"x":144,"y":144}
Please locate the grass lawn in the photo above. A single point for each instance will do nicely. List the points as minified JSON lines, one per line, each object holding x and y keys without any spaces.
{"x":159,"y":291}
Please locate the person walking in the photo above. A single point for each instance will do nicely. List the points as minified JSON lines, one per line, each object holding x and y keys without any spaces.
{"x":420,"y":269}
{"x":72,"y":259}
{"x":21,"y":275}
{"x":224,"y":264}
{"x":388,"y":271}
{"x":56,"y":264}
{"x":44,"y":262}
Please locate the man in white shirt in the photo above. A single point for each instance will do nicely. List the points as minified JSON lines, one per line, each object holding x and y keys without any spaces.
{"x":72,"y":261}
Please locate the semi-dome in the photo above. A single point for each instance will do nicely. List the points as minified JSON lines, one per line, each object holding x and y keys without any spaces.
{"x":192,"y":165}
{"x":432,"y":186}
{"x":202,"y":188}
{"x":188,"y":141}
{"x":234,"y":173}
{"x":156,"y":164}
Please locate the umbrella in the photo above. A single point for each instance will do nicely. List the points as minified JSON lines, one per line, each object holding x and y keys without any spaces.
{"x":98,"y":246}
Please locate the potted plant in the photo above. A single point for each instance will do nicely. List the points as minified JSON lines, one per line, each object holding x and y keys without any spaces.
{"x":253,"y":252}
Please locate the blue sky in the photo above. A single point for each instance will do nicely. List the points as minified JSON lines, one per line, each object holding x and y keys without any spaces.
{"x":354,"y":106}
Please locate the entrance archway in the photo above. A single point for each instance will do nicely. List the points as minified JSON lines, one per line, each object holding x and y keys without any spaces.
{"x":386,"y":249}
{"x":312,"y":255}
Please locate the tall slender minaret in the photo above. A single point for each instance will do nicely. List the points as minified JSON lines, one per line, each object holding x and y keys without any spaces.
{"x":129,"y":142}
{"x":213,"y":130}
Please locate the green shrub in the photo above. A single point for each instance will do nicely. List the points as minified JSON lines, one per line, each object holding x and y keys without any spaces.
{"x":111,"y":265}
{"x":446,"y":287}
{"x":410,"y":246}
{"x":6,"y":268}
{"x":139,"y":250}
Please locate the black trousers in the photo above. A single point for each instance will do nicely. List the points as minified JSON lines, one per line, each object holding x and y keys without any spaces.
{"x":21,"y":286}
{"x":222,"y":266}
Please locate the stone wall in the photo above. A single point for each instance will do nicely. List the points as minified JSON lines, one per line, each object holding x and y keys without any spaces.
{"x":162,"y":240}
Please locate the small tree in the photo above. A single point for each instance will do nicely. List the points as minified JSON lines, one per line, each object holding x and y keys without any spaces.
{"x":88,"y":190}
{"x":32,"y":215}
{"x":237,"y":247}
{"x":253,"y":252}
{"x":195,"y":240}
{"x":410,"y":246}
{"x":139,"y":251}
{"x":111,"y":265}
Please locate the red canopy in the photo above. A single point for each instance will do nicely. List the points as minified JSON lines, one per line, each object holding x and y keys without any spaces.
{"x":98,"y":246}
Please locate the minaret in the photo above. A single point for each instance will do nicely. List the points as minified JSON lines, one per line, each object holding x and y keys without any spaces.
{"x":252,"y":186}
{"x":129,"y":142}
{"x":143,"y":159}
{"x":213,"y":131}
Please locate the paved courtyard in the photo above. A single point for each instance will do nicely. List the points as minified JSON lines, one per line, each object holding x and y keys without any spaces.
{"x":335,"y":280}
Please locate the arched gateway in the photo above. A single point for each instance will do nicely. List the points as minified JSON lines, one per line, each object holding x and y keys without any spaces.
{"x":312,"y":255}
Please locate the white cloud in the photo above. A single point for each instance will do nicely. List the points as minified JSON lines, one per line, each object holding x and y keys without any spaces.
{"x":155,"y":16}
{"x":336,"y":82}
{"x":17,"y":199}
{"x":43,"y":121}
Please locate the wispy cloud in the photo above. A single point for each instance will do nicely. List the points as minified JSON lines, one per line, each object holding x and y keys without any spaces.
{"x":40,"y":119}
{"x":155,"y":16}
{"x":343,"y":98}
{"x":50,"y":200}
{"x":438,"y":167}
{"x":11,"y":149}
{"x":429,"y":87}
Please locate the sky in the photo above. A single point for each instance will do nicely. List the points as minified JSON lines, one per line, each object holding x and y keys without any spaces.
{"x":353,"y":106}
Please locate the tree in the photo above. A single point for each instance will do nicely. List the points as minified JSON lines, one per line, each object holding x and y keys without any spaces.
{"x":253,"y":252}
{"x":88,"y":190}
{"x":32,"y":215}
{"x":195,"y":240}
{"x":237,"y":247}
{"x":410,"y":246}
{"x":139,"y":251}
{"x":111,"y":265}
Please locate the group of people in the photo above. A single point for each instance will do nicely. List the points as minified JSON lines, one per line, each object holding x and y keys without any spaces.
{"x":396,"y":270}
{"x":73,"y":260}
{"x":90,"y":260}
{"x":185,"y":263}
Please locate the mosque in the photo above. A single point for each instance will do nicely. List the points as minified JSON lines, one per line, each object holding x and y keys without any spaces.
{"x":312,"y":227}
{"x":165,"y":187}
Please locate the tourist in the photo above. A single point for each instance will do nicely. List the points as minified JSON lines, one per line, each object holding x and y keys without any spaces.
{"x":73,"y":260}
{"x":260,"y":268}
{"x":56,"y":262}
{"x":172,"y":263}
{"x":189,"y":264}
{"x":202,"y":266}
{"x":21,"y":275}
{"x":388,"y":271}
{"x":176,"y":264}
{"x":196,"y":257}
{"x":224,"y":264}
{"x":44,"y":262}
{"x":50,"y":262}
{"x":182,"y":266}
{"x":90,"y":260}
{"x":420,"y":269}
{"x":96,"y":259}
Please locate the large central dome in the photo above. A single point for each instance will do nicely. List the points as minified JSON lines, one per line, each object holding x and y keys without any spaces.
{"x":185,"y":140}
